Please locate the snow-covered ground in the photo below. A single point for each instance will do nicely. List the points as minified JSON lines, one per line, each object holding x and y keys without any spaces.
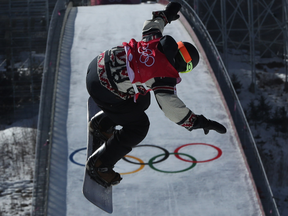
{"x":17,"y":151}
{"x":17,"y":146}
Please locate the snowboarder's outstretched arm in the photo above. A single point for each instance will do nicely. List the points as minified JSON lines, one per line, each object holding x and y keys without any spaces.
{"x":164,"y":88}
{"x":154,"y":28}
{"x":176,"y":111}
{"x":170,"y":13}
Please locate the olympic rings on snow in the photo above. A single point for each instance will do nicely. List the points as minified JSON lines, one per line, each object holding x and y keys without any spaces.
{"x":164,"y":156}
{"x":204,"y":161}
{"x":190,"y":167}
{"x":140,"y":162}
{"x":71,"y":157}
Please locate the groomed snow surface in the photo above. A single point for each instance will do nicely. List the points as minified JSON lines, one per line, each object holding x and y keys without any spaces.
{"x":218,"y":184}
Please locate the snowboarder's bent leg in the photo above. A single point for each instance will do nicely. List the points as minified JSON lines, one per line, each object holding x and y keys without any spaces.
{"x":135,"y":125}
{"x":100,"y":164}
{"x":123,"y":112}
{"x":123,"y":140}
{"x":102,"y":128}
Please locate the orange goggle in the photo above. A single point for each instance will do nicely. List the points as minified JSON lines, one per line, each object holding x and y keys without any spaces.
{"x":186,"y":56}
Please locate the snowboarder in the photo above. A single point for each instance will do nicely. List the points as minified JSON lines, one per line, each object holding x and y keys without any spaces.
{"x":119,"y":81}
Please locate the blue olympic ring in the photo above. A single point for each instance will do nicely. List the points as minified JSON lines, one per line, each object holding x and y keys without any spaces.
{"x":71,"y":157}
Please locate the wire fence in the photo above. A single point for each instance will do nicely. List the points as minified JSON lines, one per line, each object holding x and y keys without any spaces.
{"x":23,"y":36}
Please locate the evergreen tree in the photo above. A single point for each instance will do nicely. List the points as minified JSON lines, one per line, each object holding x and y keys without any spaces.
{"x":276,"y":120}
{"x":252,"y":113}
{"x":264,"y":109}
{"x":279,"y":120}
{"x":236,"y":83}
{"x":284,"y":120}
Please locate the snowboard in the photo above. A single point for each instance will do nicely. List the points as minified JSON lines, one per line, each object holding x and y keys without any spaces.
{"x":94,"y":192}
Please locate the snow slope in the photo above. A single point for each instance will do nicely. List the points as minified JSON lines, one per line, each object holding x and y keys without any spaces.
{"x":219,"y":184}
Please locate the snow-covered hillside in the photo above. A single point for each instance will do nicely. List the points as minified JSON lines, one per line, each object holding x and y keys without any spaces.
{"x":270,"y":136}
{"x":17,"y":150}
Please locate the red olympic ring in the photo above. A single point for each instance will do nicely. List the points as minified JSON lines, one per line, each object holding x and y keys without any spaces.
{"x":204,"y":161}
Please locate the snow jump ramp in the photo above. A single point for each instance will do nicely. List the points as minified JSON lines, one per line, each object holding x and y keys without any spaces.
{"x":172,"y":171}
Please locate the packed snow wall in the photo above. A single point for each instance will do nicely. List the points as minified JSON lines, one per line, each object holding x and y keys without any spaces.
{"x":47,"y":104}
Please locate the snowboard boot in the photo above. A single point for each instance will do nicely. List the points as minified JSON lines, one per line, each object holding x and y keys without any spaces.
{"x":103,"y":175}
{"x":102,"y":128}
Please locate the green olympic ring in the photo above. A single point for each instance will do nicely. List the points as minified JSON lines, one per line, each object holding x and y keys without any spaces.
{"x":154,"y":168}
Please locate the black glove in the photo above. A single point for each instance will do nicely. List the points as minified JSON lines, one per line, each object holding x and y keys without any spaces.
{"x":207,"y":124}
{"x":170,"y":12}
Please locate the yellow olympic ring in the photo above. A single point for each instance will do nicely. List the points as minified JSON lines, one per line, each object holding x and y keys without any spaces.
{"x":140,"y":168}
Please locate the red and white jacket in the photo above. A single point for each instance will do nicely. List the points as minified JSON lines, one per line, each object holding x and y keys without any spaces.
{"x":139,"y":67}
{"x":144,"y":62}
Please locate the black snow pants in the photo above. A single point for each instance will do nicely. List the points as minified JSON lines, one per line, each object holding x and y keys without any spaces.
{"x":126,"y":113}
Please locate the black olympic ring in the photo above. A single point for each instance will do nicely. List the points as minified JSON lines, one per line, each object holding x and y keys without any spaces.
{"x":166,"y":155}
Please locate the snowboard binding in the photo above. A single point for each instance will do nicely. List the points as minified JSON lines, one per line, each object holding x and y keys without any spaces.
{"x":103,"y":175}
{"x":102,"y":128}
